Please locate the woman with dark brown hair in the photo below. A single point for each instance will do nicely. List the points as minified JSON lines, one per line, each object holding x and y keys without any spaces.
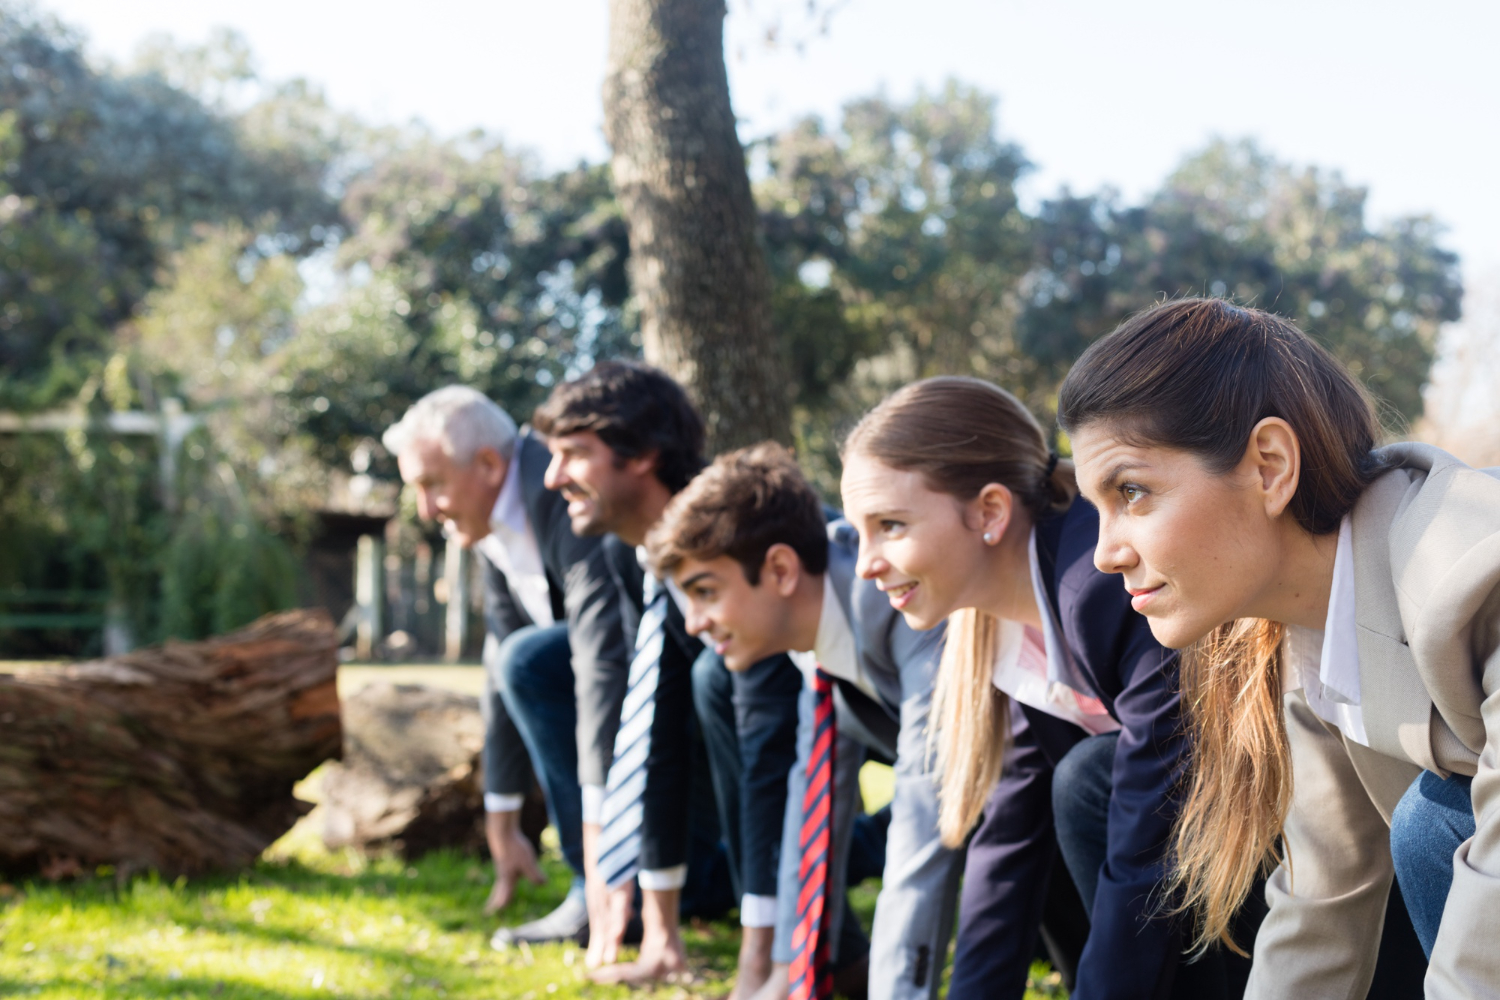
{"x":1055,"y":708}
{"x":1339,"y":609}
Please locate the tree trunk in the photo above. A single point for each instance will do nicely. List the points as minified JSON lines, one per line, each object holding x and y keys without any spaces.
{"x":696,"y":263}
{"x":180,"y":758}
{"x":410,"y":777}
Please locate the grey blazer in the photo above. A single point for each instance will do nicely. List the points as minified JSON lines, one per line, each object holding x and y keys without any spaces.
{"x":919,"y":891}
{"x":1426,"y":540}
{"x":583,"y":594}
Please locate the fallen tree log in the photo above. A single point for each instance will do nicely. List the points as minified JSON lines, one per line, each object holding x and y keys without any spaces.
{"x":410,"y":778}
{"x":179,"y":758}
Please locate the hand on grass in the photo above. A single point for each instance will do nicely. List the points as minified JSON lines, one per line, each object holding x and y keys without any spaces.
{"x":514,"y":858}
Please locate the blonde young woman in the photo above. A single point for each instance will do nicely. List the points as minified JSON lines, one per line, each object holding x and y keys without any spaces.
{"x":1340,"y":605}
{"x":1053,"y":697}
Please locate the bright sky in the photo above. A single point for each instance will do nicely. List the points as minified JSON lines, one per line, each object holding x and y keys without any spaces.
{"x":1402,"y":97}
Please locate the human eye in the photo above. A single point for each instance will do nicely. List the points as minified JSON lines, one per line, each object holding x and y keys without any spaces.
{"x":1131,"y":493}
{"x":890,"y":526}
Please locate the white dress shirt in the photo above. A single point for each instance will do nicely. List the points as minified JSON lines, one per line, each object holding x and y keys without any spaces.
{"x":834,"y":648}
{"x":1325,"y":663}
{"x":512,"y":548}
{"x":1037,"y":669}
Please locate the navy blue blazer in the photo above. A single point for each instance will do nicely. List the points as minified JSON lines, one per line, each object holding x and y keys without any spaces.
{"x":1130,"y":951}
{"x":667,"y":798}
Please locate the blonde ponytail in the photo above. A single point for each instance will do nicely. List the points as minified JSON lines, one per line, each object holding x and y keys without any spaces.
{"x":968,"y":726}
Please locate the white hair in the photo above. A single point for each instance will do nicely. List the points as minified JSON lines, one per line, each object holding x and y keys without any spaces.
{"x":461,"y":419}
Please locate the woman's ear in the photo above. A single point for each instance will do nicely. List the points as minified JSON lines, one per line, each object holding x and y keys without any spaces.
{"x":996,"y":506}
{"x":1274,"y":455}
{"x":782,"y":569}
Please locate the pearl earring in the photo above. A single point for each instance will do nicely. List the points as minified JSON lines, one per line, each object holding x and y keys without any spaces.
{"x":989,"y":539}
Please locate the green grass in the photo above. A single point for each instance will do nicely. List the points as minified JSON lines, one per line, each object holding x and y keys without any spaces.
{"x":307,"y":923}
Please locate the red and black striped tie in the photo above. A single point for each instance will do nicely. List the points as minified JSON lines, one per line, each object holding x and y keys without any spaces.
{"x":811,"y":979}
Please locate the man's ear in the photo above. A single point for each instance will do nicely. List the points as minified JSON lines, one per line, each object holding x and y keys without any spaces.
{"x":644,"y":464}
{"x":490,"y":466}
{"x":781,"y":569}
{"x":1274,"y":455}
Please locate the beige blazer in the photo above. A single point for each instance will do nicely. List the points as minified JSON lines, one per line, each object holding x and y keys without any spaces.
{"x":1427,"y":606}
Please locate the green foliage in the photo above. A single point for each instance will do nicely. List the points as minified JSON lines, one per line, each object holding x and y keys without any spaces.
{"x":220,"y":568}
{"x":105,"y":174}
{"x":1233,"y":222}
{"x":466,"y":266}
{"x":895,"y":242}
{"x":185,"y":229}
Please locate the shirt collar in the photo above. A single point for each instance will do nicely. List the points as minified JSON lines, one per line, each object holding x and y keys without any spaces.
{"x":1060,"y":666}
{"x":509,"y":514}
{"x":834,"y":648}
{"x":1338,"y":664}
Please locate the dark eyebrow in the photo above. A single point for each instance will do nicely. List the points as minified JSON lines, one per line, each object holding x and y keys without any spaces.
{"x":696,"y":577}
{"x":1113,"y":476}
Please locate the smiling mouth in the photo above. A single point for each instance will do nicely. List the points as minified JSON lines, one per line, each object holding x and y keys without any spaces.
{"x":1141,"y":597}
{"x":899,"y":595}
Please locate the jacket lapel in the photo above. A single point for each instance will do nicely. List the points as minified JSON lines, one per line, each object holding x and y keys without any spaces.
{"x":1395,"y":704}
{"x":532,"y":459}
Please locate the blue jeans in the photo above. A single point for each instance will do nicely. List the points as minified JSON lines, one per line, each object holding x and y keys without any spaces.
{"x":532,"y":674}
{"x":1429,"y":823}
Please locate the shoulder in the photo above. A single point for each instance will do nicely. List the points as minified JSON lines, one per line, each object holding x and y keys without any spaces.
{"x":1433,"y":524}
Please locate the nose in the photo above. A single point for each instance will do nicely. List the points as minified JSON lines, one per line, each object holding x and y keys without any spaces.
{"x":1113,"y":553}
{"x":870,"y":564}
{"x":426,"y":506}
{"x":695,"y":621}
{"x":553,"y":478}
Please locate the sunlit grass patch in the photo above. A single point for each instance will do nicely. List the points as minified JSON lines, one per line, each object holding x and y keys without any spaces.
{"x":309,"y":923}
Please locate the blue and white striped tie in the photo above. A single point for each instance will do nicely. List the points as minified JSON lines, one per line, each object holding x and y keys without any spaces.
{"x":620,"y":839}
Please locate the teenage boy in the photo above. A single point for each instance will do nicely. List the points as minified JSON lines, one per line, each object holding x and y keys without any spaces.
{"x":762,"y":573}
{"x":624,"y":439}
{"x":552,"y":618}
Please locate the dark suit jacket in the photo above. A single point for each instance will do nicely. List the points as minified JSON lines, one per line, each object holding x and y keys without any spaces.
{"x":667,"y":798}
{"x":1128,"y":953}
{"x":582,"y":588}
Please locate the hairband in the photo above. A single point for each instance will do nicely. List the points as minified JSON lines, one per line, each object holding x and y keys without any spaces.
{"x":1052,"y":457}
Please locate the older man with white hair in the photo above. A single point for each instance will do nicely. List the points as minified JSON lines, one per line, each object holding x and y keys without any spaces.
{"x":554,"y":645}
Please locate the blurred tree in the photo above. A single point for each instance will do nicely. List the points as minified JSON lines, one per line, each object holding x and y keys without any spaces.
{"x":463,"y":264}
{"x":106,"y":174}
{"x":1233,"y":222}
{"x":696,"y":266}
{"x":896,"y":244}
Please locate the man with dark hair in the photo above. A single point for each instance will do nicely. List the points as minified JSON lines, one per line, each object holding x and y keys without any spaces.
{"x":747,"y":545}
{"x":624,"y":439}
{"x":552,"y":615}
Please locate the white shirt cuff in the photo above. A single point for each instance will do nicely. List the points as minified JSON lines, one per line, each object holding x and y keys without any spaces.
{"x":662,"y":879}
{"x":496,"y":803}
{"x":757,"y":911}
{"x":593,"y":803}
